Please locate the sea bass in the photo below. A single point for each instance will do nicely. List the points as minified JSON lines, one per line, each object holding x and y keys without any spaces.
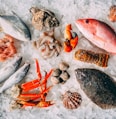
{"x":10,"y":68}
{"x":14,"y":26}
{"x":16,"y":77}
{"x":98,"y":86}
{"x":99,"y":33}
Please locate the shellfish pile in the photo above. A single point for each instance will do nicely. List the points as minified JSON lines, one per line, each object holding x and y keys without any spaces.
{"x":60,"y":75}
{"x":47,"y":45}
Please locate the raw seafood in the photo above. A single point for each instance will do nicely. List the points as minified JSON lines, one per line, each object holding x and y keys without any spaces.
{"x":47,"y":45}
{"x":43,"y":18}
{"x":71,"y":39}
{"x":16,"y":77}
{"x":60,"y":75}
{"x":7,"y":48}
{"x":71,"y":100}
{"x":63,"y":66}
{"x":35,"y":99}
{"x":99,"y":33}
{"x":10,"y":68}
{"x":100,"y":59}
{"x":112,"y":15}
{"x":14,"y":26}
{"x":98,"y":86}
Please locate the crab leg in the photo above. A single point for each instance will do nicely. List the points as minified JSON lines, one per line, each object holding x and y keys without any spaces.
{"x":46,"y":78}
{"x":44,"y":104}
{"x":38,"y":69}
{"x":29,"y":84}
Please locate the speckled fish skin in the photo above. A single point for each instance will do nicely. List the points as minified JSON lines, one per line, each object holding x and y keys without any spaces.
{"x":98,"y":86}
{"x":14,"y":26}
{"x":98,"y":33}
{"x":16,"y":77}
{"x":10,"y":68}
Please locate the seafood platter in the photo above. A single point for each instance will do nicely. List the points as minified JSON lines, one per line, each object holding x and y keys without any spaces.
{"x":57,"y":64}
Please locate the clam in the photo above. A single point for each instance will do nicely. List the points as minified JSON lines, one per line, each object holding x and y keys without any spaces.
{"x":65,"y":76}
{"x":56,"y":80}
{"x":63,"y":66}
{"x":71,"y":100}
{"x":56,"y":72}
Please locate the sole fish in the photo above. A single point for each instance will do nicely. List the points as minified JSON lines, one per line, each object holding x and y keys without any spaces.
{"x":16,"y":77}
{"x":98,"y":86}
{"x":14,"y":26}
{"x":10,"y":68}
{"x":98,"y":33}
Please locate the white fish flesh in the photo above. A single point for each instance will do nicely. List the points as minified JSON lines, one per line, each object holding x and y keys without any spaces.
{"x":16,"y":77}
{"x":14,"y":26}
{"x":10,"y":68}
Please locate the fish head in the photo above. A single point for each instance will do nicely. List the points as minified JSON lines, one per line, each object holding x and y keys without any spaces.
{"x":81,"y":75}
{"x":87,"y":26}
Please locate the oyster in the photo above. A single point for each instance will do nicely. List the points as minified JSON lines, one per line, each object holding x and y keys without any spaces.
{"x":43,"y":18}
{"x":71,"y":100}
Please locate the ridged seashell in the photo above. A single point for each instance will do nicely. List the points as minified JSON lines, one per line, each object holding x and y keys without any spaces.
{"x":72,"y":100}
{"x":56,"y":72}
{"x":63,"y":66}
{"x":65,"y":76}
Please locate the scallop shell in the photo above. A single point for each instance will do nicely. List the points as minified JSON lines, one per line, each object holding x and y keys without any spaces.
{"x":72,"y":100}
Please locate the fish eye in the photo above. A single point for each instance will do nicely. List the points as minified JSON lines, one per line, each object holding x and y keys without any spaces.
{"x":87,"y":21}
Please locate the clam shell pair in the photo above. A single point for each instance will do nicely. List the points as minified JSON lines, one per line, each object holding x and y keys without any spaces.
{"x":71,"y":100}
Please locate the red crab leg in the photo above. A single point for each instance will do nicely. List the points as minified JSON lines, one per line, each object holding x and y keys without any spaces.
{"x":38,"y":69}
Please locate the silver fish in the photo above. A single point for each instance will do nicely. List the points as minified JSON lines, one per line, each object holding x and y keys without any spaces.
{"x":16,"y":77}
{"x":14,"y":26}
{"x":98,"y":86}
{"x":10,"y":68}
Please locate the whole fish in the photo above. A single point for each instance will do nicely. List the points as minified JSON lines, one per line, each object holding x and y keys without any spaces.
{"x":99,"y":33}
{"x":14,"y":26}
{"x":98,"y":86}
{"x":10,"y":68}
{"x":16,"y":77}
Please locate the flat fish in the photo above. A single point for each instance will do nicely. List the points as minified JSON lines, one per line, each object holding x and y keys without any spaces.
{"x":16,"y":77}
{"x":98,"y":86}
{"x":14,"y":26}
{"x":98,"y":33}
{"x":10,"y":68}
